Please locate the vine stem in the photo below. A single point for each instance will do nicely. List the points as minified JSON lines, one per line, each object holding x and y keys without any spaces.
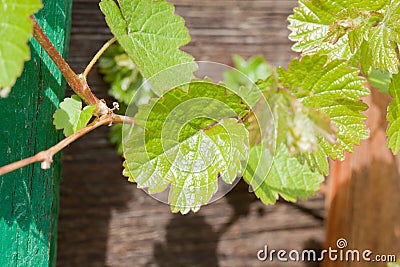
{"x":97,"y":56}
{"x":46,"y":156}
{"x":78,"y":83}
{"x":80,"y":86}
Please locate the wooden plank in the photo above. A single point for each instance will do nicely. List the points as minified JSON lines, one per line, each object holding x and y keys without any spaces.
{"x":29,"y":196}
{"x":363,"y":191}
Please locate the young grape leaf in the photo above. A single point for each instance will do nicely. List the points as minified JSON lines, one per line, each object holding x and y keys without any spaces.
{"x":280,"y":174}
{"x":70,"y":115}
{"x":299,"y":156}
{"x":151,"y":34}
{"x":333,"y":89}
{"x":15,"y":31}
{"x":337,"y":6}
{"x":365,"y":32}
{"x":393,"y":117}
{"x":190,"y":140}
{"x":309,"y":25}
{"x":316,"y":111}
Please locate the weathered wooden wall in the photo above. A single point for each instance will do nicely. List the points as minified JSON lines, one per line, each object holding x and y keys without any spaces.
{"x":106,"y":221}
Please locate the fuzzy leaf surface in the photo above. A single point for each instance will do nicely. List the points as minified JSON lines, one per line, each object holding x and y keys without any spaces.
{"x":191,"y":167}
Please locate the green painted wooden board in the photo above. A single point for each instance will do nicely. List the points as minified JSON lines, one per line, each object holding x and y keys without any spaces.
{"x":29,"y":196}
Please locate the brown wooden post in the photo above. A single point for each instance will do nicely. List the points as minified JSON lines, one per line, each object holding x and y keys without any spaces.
{"x":363,"y":196}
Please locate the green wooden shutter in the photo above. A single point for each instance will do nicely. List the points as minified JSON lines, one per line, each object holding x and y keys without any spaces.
{"x":29,"y":196}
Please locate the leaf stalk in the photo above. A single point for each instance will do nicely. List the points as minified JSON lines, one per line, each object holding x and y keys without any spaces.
{"x":97,"y":56}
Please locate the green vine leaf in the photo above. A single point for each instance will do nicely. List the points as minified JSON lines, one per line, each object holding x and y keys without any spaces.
{"x":310,"y":24}
{"x":365,"y":32}
{"x":299,"y":128}
{"x":151,"y":34}
{"x":393,"y":116}
{"x":16,"y":29}
{"x":70,"y":117}
{"x":190,"y":140}
{"x":333,"y":89}
{"x":280,"y":174}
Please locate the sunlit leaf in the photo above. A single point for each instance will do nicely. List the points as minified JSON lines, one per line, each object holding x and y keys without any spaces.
{"x":365,"y":32}
{"x":190,"y":140}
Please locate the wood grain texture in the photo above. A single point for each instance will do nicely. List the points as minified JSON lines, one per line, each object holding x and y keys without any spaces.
{"x":363,"y":197}
{"x":29,"y":196}
{"x":107,"y":221}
